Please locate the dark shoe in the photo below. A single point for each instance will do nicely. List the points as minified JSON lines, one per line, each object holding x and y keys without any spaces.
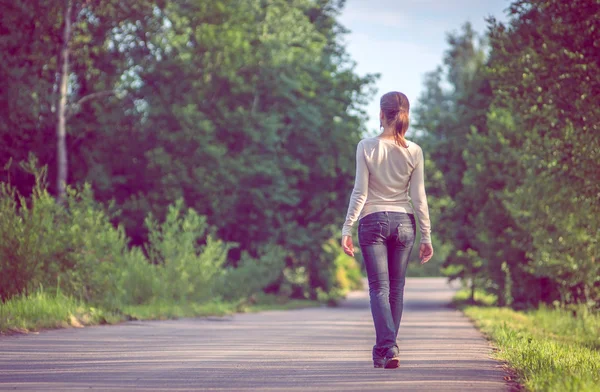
{"x":392,"y":363}
{"x":379,"y":363}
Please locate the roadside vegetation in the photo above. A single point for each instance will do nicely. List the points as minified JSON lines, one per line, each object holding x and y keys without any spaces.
{"x":513,"y":156}
{"x":550,"y":348}
{"x":205,"y":157}
{"x":68,"y":265}
{"x":514,"y":173}
{"x":231,"y":122}
{"x":514,"y":179}
{"x":41,"y":310}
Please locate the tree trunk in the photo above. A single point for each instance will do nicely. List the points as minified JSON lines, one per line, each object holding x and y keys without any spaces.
{"x":61,"y":131}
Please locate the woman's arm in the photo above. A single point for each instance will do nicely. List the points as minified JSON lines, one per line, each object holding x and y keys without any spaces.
{"x":360,"y":191}
{"x":419,"y":198}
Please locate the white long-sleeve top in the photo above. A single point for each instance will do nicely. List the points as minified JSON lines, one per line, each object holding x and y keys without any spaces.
{"x":388,"y":178}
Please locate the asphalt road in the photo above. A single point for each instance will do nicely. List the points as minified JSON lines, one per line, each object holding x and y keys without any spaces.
{"x":320,"y":349}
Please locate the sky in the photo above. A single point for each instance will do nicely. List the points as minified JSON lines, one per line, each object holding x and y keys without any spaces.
{"x":402,"y":40}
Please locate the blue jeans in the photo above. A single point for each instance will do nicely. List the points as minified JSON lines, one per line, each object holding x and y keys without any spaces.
{"x":386,"y":240}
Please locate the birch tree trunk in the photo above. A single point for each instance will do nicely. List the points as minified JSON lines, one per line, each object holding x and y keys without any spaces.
{"x":61,"y":131}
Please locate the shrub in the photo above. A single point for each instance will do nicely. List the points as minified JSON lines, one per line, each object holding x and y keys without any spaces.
{"x":187,"y":269}
{"x":34,"y":246}
{"x":344,"y":274}
{"x":252,"y":274}
{"x":74,"y":248}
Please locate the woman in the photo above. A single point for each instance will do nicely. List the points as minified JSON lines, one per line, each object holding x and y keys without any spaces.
{"x":389,"y":175}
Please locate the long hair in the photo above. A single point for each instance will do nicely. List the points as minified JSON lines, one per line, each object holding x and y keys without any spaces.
{"x":395,"y":109}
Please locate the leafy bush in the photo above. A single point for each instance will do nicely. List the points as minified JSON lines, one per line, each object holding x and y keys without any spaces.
{"x":34,"y":247}
{"x":138,"y":281}
{"x":187,"y":269}
{"x":97,"y":248}
{"x":252,"y":274}
{"x":344,"y":274}
{"x":73,"y":248}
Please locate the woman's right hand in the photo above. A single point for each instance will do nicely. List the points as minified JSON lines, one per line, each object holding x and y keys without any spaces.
{"x":425,"y":253}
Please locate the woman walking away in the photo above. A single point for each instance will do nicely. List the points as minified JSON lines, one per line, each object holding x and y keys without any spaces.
{"x":389,"y":175}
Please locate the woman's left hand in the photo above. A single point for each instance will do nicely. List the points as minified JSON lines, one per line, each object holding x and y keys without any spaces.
{"x":347,"y":245}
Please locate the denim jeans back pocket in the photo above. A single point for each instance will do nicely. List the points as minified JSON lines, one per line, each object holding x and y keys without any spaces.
{"x":370,"y":233}
{"x":406,"y":234}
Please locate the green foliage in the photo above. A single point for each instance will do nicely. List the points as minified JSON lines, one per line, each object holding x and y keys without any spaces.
{"x":248,"y":111}
{"x":186,"y":269}
{"x":347,"y":271}
{"x":479,"y":297}
{"x":41,"y":309}
{"x":550,"y":349}
{"x":546,"y":74}
{"x":74,"y":249}
{"x":516,"y":140}
{"x":462,"y":191}
{"x":27,"y":252}
{"x":344,"y":274}
{"x":251,"y":275}
{"x":138,"y":281}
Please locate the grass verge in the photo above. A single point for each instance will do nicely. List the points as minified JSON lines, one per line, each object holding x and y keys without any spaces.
{"x":41,"y":310}
{"x":549,"y":349}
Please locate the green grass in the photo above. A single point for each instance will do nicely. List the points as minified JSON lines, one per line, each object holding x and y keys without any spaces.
{"x":258,"y":303}
{"x":41,"y":310}
{"x":462,"y":298}
{"x":550,"y":349}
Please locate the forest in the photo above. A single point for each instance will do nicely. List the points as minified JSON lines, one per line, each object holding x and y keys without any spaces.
{"x":191,"y":150}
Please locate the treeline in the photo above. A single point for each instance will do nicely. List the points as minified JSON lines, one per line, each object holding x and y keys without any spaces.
{"x":515,"y":153}
{"x":245,"y":112}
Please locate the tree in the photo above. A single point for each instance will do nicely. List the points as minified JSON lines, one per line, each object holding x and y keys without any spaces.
{"x":248,"y":111}
{"x":545,"y":71}
{"x":267,"y":106}
{"x":63,"y":80}
{"x":516,"y":140}
{"x":44,"y":83}
{"x":447,"y":118}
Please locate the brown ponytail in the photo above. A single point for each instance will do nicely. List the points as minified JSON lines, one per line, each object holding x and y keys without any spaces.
{"x":395,"y":107}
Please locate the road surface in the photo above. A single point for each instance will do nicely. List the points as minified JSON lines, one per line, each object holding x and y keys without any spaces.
{"x":316,"y":349}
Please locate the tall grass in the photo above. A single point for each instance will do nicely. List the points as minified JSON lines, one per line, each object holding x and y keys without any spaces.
{"x":41,"y":310}
{"x":550,"y":349}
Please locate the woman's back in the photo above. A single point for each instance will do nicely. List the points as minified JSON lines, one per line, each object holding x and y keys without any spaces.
{"x":388,"y":177}
{"x":390,"y":167}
